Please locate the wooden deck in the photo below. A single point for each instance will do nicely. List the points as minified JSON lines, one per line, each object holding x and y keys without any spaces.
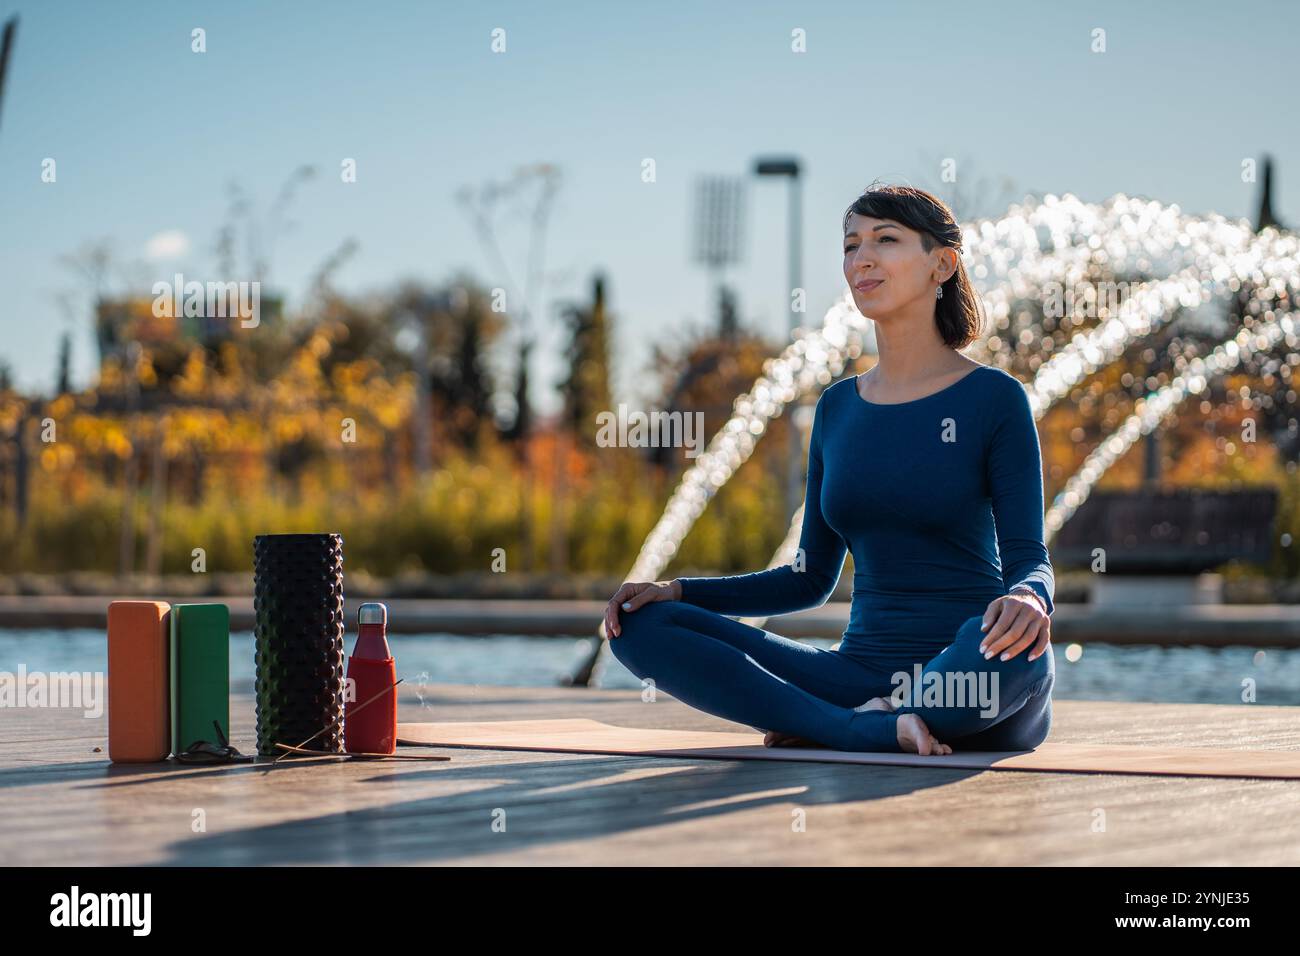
{"x":63,"y":804}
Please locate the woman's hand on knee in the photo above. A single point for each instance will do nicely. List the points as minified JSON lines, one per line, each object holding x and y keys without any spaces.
{"x":634,"y":594}
{"x":1014,"y":622}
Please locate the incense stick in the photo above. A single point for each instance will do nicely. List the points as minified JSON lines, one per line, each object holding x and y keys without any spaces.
{"x":355,"y":753}
{"x":324,"y":729}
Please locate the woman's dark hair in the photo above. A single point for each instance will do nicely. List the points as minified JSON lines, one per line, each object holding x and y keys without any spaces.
{"x":958,"y":314}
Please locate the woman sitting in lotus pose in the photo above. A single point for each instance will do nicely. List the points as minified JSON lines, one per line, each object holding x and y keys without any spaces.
{"x":928,"y":469}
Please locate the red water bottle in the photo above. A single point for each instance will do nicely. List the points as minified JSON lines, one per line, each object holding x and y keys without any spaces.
{"x":371,"y":728}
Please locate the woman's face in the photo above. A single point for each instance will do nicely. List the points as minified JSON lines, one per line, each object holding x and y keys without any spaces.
{"x":886,"y":267}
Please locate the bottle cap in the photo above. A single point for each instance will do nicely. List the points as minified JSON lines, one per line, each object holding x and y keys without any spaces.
{"x":372,"y":614}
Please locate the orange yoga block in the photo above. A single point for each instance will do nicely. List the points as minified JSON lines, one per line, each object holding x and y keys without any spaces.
{"x":139,"y":717}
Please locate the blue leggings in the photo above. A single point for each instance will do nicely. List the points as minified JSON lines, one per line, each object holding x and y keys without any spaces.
{"x":751,"y":676}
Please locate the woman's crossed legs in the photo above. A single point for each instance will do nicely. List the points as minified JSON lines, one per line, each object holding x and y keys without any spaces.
{"x":750,"y":676}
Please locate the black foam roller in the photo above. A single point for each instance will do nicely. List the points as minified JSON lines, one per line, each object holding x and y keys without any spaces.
{"x":299,"y":656}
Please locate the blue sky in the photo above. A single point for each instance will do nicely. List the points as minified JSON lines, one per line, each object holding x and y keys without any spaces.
{"x":147,"y":134}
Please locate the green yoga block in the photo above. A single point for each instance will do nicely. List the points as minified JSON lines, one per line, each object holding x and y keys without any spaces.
{"x":200,"y":673}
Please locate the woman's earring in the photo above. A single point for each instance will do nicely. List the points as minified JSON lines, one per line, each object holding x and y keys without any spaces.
{"x":938,"y":293}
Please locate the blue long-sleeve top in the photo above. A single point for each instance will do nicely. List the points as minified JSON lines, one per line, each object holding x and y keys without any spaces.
{"x":940,"y":502}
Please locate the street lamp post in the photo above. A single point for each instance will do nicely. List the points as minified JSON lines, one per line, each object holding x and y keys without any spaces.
{"x":789,"y":167}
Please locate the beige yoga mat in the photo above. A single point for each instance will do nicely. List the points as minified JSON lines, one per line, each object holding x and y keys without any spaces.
{"x":583,"y":736}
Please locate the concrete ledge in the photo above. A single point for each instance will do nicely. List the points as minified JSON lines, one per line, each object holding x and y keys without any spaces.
{"x":1155,"y":591}
{"x":1212,"y":625}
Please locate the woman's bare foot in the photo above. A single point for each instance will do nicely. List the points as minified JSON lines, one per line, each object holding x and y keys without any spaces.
{"x":915,"y":738}
{"x":774,"y":738}
{"x":877,"y":703}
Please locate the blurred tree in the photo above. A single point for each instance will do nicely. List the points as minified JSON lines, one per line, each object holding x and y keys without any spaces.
{"x":6,"y":51}
{"x":468,"y":387}
{"x":365,"y":329}
{"x":522,"y":425}
{"x":585,"y":389}
{"x":458,"y":327}
{"x":64,"y":384}
{"x":706,"y":374}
